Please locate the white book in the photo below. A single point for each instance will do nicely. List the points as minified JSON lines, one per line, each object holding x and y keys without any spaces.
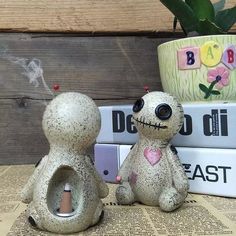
{"x":205,"y":125}
{"x":210,"y":171}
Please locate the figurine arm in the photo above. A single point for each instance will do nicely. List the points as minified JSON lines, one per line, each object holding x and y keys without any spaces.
{"x":124,"y":170}
{"x":102,"y":186}
{"x":27,"y":192}
{"x":179,"y":176}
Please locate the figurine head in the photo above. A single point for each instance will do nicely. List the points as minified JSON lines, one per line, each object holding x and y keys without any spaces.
{"x":71,"y":119}
{"x":158,"y":115}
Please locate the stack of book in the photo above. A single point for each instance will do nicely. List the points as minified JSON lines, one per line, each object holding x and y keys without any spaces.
{"x":206,"y":145}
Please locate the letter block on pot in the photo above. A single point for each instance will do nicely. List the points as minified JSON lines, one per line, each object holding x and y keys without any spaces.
{"x":229,"y":57}
{"x":210,"y":53}
{"x":189,"y":58}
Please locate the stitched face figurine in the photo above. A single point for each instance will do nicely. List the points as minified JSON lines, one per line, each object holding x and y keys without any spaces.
{"x":64,"y":191}
{"x":152,"y":173}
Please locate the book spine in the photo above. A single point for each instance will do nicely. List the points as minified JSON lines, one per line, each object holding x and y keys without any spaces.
{"x":211,"y":125}
{"x":210,"y":171}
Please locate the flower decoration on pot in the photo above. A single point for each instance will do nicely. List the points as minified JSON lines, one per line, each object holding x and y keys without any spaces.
{"x":218,"y":77}
{"x":188,"y":65}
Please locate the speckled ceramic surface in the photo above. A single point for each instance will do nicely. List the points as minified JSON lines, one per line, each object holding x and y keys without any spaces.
{"x":152,"y":173}
{"x":71,"y":123}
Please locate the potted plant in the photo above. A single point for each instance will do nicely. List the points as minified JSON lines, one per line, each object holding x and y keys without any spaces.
{"x":202,"y":66}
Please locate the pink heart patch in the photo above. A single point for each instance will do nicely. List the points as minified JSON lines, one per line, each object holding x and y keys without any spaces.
{"x":153,"y":156}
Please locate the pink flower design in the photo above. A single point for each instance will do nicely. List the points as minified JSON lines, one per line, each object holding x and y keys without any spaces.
{"x":220,"y":75}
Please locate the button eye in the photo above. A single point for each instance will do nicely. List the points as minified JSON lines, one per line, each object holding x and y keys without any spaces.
{"x":138,"y":105}
{"x":105,"y":172}
{"x":163,"y":111}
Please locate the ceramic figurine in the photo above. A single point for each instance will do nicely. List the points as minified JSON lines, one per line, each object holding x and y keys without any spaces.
{"x":152,"y":173}
{"x":71,"y":123}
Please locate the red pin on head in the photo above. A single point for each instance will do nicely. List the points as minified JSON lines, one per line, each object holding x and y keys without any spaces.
{"x":56,"y":87}
{"x":146,"y":88}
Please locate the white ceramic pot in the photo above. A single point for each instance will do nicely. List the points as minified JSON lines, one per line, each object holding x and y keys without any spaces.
{"x":199,"y":68}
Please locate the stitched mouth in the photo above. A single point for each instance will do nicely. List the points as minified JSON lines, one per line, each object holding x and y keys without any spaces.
{"x":156,"y":125}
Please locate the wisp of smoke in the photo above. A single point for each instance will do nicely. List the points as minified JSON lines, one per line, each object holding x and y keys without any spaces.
{"x":32,"y":70}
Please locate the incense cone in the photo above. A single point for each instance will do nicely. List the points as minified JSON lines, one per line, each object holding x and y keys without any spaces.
{"x":66,"y":202}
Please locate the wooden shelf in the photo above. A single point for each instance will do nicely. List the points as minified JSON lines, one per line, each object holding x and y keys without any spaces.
{"x":87,"y":16}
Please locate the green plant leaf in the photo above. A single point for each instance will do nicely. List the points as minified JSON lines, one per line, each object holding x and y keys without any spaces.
{"x":218,"y":6}
{"x":184,"y":14}
{"x":215,"y":92}
{"x":207,"y":27}
{"x":225,"y":19}
{"x":203,"y":88}
{"x":203,"y":9}
{"x":175,"y":23}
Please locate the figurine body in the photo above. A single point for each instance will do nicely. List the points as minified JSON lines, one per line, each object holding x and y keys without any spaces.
{"x":152,"y":173}
{"x":71,"y":123}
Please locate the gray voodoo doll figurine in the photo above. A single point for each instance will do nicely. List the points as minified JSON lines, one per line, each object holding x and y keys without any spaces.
{"x":71,"y":123}
{"x":152,"y":173}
